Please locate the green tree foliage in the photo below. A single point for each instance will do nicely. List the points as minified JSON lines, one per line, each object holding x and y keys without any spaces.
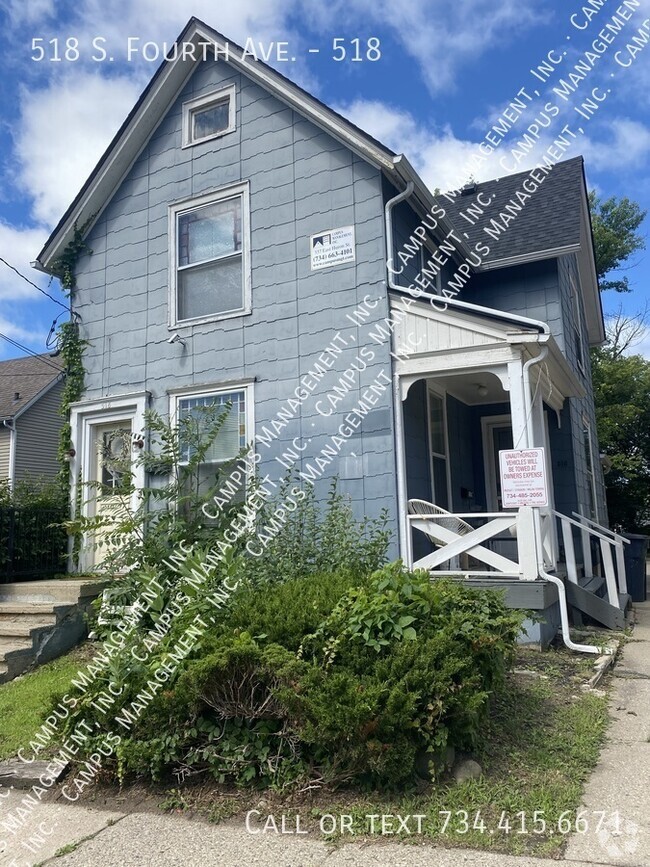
{"x":615,"y":223}
{"x":622,"y":395}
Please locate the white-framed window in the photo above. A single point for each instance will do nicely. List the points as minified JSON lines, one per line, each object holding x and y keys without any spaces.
{"x":235,"y":434}
{"x":579,"y":346}
{"x":210,"y":256}
{"x":236,"y":431}
{"x":209,"y":116}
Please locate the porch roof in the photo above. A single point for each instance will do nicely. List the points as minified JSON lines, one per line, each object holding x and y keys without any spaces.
{"x":431,"y":340}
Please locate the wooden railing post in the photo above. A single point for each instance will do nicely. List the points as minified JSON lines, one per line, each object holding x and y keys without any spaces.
{"x":526,"y":544}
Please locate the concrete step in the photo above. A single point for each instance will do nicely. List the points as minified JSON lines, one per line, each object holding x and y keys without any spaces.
{"x":60,"y":591}
{"x":40,"y":620}
{"x":10,"y":647}
{"x":42,"y":610}
{"x":23,"y":628}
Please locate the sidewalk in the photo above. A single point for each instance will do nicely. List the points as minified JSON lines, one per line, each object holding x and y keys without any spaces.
{"x":620,"y":784}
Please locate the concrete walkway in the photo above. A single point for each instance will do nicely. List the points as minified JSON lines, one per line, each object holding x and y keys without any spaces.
{"x":620,"y":786}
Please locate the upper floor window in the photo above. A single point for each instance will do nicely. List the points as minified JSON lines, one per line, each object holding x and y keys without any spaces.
{"x":211,"y":274}
{"x":208,"y":117}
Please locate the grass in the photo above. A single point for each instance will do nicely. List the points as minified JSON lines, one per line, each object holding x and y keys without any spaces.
{"x":543,"y":739}
{"x":23,"y":701}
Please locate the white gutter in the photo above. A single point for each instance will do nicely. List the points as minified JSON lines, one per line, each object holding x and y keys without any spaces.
{"x":439,"y":302}
{"x":400,"y":456}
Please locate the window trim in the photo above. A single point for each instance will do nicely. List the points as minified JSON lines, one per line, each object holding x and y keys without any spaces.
{"x":578,"y":326}
{"x":212,"y":391}
{"x":203,"y":102}
{"x":441,"y":395}
{"x":194,"y":203}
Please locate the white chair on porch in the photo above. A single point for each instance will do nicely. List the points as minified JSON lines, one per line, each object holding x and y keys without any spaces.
{"x":448,"y":521}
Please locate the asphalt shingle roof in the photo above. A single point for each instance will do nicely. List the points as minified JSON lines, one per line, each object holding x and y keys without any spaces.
{"x":27,"y":377}
{"x":550,"y":219}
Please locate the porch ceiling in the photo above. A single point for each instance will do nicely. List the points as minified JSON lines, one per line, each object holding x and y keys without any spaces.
{"x":473,"y":352}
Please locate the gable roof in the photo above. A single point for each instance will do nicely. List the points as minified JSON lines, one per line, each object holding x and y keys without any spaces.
{"x":556,"y":222}
{"x":166,"y":84}
{"x":30,"y":377}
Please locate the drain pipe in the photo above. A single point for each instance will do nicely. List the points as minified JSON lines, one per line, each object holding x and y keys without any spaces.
{"x":400,"y":466}
{"x":552,"y":579}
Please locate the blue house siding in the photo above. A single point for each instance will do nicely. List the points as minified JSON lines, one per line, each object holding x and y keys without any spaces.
{"x":302,"y":181}
{"x":530,"y":290}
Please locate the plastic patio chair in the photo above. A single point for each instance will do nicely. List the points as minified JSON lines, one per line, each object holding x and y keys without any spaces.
{"x":450,"y":522}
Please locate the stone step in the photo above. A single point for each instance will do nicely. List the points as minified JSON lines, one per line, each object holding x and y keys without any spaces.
{"x":42,"y":610}
{"x":24,"y":628}
{"x":9,"y":646}
{"x":60,"y":591}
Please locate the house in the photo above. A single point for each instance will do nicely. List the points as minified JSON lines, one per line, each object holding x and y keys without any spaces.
{"x":30,"y":398}
{"x":251,"y":247}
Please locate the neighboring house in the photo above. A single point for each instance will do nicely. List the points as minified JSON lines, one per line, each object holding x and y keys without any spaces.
{"x":30,"y":422}
{"x":240,"y":232}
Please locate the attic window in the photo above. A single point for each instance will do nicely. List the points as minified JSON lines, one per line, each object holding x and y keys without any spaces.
{"x":209,"y":116}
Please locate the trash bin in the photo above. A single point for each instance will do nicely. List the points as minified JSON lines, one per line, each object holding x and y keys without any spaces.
{"x":635,"y":565}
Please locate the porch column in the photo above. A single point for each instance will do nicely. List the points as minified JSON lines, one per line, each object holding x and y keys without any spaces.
{"x":518,"y":405}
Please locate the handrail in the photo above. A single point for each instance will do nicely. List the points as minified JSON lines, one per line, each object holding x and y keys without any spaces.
{"x":616,"y":535}
{"x":467,"y":515}
{"x":583,"y":527}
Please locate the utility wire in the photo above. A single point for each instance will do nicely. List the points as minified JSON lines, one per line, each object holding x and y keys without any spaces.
{"x":31,"y":283}
{"x":29,"y":352}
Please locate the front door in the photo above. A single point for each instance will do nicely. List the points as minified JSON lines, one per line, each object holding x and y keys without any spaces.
{"x":110,"y":489}
{"x":499,"y":437}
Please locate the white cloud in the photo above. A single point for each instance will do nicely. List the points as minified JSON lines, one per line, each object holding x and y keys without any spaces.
{"x":20,"y":246}
{"x":624,"y":147}
{"x":30,"y":11}
{"x":443,"y":37}
{"x":63,"y":132}
{"x":437,"y":154}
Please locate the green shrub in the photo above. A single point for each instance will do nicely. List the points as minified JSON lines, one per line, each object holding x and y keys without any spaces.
{"x":313,"y":678}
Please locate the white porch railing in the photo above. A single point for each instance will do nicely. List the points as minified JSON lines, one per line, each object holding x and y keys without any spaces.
{"x":524,"y":527}
{"x":493,"y":524}
{"x":611,"y":550}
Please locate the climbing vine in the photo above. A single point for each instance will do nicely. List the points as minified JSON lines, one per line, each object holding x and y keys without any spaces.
{"x":71,"y":347}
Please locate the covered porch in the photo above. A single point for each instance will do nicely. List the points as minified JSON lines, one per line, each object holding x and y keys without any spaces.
{"x":469,"y":384}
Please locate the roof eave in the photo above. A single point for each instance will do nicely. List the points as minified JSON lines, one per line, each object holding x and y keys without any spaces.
{"x":167,"y":82}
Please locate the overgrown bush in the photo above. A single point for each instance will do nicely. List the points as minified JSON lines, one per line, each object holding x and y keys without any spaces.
{"x":317,"y":680}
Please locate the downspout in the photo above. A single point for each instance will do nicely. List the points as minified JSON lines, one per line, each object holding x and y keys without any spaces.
{"x":400,"y":464}
{"x":10,"y":424}
{"x":553,"y":579}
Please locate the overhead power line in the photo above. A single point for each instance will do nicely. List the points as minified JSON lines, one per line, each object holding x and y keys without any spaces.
{"x":31,"y":283}
{"x":30,"y":352}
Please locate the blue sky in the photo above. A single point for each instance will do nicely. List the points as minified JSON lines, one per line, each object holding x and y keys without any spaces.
{"x":446,"y":73}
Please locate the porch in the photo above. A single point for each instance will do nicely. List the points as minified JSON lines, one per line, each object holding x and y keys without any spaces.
{"x":469,"y":384}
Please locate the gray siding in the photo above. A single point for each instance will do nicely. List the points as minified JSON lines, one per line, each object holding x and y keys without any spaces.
{"x":5,"y":440}
{"x":37,"y":437}
{"x":581,"y":410}
{"x":531,"y":290}
{"x":301,"y":182}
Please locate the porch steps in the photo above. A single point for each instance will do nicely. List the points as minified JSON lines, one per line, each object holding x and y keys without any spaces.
{"x":40,"y":620}
{"x":597,"y":607}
